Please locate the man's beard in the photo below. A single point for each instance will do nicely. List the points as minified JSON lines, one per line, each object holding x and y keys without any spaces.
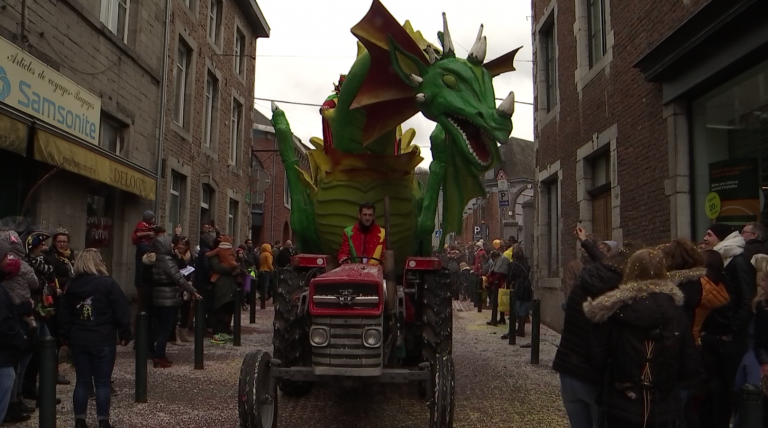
{"x":363,"y":227}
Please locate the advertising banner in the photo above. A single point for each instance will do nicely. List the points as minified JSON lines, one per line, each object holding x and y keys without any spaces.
{"x":734,"y":187}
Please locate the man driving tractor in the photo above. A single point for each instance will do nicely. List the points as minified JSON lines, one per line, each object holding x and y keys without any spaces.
{"x":364,"y":241}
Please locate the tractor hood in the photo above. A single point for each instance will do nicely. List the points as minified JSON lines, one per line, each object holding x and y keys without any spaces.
{"x":351,"y":289}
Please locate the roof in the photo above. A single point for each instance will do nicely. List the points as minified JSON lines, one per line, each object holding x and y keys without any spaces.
{"x":254,"y":17}
{"x":517,"y":159}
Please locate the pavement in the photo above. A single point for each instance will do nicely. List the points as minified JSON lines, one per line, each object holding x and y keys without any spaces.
{"x":496,"y":386}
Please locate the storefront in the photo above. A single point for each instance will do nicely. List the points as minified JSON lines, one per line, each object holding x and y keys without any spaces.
{"x":714,"y":77}
{"x":53,"y":168}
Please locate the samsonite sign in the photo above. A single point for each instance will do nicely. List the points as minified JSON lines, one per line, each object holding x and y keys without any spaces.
{"x":28,"y":85}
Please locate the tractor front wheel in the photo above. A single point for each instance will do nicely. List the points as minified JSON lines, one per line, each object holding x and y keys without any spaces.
{"x":437,"y":314}
{"x":257,"y":392}
{"x":291,"y":331}
{"x":441,"y":403}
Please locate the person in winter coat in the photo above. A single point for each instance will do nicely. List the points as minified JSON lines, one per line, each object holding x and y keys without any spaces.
{"x":92,"y":314}
{"x":13,"y":339}
{"x":62,"y":258}
{"x":685,"y":267}
{"x":725,"y":333}
{"x":168,"y":283}
{"x":580,"y":380}
{"x":497,"y":279}
{"x":574,"y":268}
{"x":481,"y":258}
{"x":224,"y":290}
{"x":142,"y":237}
{"x":713,"y":292}
{"x":520,"y":279}
{"x":184,"y":258}
{"x":284,"y":256}
{"x":203,"y":274}
{"x":265,"y":271}
{"x":647,"y":346}
{"x":755,"y":235}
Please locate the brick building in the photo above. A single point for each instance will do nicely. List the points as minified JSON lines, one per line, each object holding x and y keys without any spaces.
{"x":271,"y":207}
{"x":637,"y":104}
{"x":209,"y":114}
{"x":80,"y":85}
{"x":497,"y":221}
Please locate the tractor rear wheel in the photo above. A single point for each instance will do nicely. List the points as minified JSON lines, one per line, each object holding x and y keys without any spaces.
{"x":257,"y":392}
{"x":291,"y":330}
{"x":441,"y":403}
{"x":437,"y":316}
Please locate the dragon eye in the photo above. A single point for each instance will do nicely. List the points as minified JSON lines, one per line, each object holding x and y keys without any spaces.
{"x":450,"y":81}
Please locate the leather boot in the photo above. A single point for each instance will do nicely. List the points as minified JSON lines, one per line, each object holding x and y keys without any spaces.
{"x":80,"y":423}
{"x":14,"y":414}
{"x":104,"y":424}
{"x":520,"y":327}
{"x":23,"y":407}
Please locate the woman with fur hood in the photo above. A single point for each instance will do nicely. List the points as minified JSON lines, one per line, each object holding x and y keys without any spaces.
{"x":647,"y":346}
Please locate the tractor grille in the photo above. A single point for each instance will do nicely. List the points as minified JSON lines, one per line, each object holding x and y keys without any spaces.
{"x":346,"y":296}
{"x":345,"y":349}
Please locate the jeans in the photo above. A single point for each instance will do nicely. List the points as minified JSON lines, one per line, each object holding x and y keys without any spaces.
{"x":21,"y":369}
{"x":166,"y":321}
{"x":721,"y":359}
{"x":7,"y":381}
{"x":579,"y":402}
{"x":93,"y":366}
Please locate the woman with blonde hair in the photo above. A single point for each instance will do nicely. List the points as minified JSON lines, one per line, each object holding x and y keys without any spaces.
{"x":93,"y":311}
{"x":647,"y":346}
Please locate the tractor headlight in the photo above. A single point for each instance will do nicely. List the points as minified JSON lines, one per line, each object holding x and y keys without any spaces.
{"x":372,"y":337}
{"x":319,"y":336}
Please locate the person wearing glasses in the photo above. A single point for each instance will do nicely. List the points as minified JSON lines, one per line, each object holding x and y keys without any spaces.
{"x":755,"y":235}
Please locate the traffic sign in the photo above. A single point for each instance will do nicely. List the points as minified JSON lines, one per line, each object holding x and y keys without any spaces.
{"x":438,"y":233}
{"x":501,"y":180}
{"x":503,"y":199}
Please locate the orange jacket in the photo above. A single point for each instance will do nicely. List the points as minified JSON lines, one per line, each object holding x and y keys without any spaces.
{"x":712,"y":297}
{"x":265,"y":258}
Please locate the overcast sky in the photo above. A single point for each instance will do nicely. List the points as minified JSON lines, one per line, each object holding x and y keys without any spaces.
{"x":311,"y":44}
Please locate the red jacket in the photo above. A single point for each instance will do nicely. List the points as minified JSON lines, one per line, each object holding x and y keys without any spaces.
{"x":481,"y":257}
{"x":142,"y":227}
{"x":364,"y":244}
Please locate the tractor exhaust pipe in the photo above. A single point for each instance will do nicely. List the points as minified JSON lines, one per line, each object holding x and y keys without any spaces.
{"x":389,"y":261}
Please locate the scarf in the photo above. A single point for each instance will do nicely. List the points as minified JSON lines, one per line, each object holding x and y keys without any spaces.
{"x":187,"y":256}
{"x":730,"y":247}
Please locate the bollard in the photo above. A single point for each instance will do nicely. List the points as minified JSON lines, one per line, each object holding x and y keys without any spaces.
{"x":473,"y":287}
{"x":199,"y":333}
{"x":751,"y":406}
{"x":142,"y":330}
{"x":512,"y":319}
{"x":47,"y":391}
{"x":252,"y":301}
{"x":237,"y":321}
{"x":535,"y":330}
{"x":263,"y":288}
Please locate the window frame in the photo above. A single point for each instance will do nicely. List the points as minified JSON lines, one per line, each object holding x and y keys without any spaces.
{"x":235,"y":131}
{"x":210,"y":107}
{"x":179,"y":193}
{"x":553,"y":226}
{"x":182,"y":69}
{"x":111,"y":21}
{"x":215,"y":12}
{"x":239,"y":51}
{"x":549,"y":45}
{"x":596,"y":56}
{"x":287,"y":202}
{"x":120,"y":132}
{"x":233,"y":217}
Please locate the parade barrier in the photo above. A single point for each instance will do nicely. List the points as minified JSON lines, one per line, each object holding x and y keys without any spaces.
{"x":751,"y":407}
{"x":47,"y":391}
{"x":236,"y":329}
{"x":512,"y":319}
{"x":474,"y":288}
{"x":263,"y":289}
{"x":142,"y":331}
{"x":535,"y":330}
{"x":199,"y":334}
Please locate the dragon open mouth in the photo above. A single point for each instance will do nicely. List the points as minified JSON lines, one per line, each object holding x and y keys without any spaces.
{"x":476,"y":139}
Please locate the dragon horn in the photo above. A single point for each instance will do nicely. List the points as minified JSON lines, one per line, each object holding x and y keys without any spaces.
{"x":274,"y":107}
{"x":447,"y":42}
{"x":477,"y":53}
{"x":507,"y":107}
{"x":432,"y":54}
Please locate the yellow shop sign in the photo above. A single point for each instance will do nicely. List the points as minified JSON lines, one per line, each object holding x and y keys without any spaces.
{"x":29,"y":85}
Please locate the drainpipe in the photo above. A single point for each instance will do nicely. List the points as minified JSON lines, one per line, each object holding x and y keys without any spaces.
{"x":163,"y":99}
{"x":274,"y":186}
{"x":23,"y":26}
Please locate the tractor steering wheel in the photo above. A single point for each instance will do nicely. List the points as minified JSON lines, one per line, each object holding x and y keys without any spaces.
{"x":347,"y":260}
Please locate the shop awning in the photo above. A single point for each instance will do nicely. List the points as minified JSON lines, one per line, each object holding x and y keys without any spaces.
{"x":13,"y":135}
{"x":79,"y":160}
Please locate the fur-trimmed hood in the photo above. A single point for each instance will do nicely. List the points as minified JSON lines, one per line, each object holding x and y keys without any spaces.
{"x":644,"y":303}
{"x":680,"y":276}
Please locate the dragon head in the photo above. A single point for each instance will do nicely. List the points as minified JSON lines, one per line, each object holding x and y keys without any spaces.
{"x":458,"y":94}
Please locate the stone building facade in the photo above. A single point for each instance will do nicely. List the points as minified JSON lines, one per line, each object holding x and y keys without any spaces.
{"x":80,"y":87}
{"x":205,"y":171}
{"x":633,"y":115}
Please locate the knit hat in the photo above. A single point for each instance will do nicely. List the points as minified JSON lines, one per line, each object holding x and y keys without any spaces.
{"x":613,"y":244}
{"x":479,"y":244}
{"x":721,"y":230}
{"x":148,"y":216}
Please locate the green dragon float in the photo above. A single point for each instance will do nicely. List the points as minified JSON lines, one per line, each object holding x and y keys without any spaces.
{"x":364,"y":156}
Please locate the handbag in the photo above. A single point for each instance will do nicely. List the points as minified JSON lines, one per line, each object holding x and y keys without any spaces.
{"x":503,"y":300}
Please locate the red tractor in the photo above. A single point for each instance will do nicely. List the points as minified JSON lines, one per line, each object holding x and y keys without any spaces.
{"x":353,"y":324}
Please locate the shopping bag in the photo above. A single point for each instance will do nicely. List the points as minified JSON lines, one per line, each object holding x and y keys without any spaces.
{"x":503,"y":300}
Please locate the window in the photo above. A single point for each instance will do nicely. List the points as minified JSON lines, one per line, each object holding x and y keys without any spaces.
{"x":232,"y":218}
{"x":286,"y":191}
{"x":112,"y":135}
{"x":175,"y":202}
{"x":210,"y":108}
{"x":214,"y":20}
{"x":235,"y":131}
{"x":550,"y":65}
{"x":180,"y":77}
{"x":114,"y":14}
{"x":596,"y":21}
{"x":207,"y":202}
{"x":257,"y":202}
{"x":552,"y":216}
{"x":600,"y":192}
{"x":239,"y":52}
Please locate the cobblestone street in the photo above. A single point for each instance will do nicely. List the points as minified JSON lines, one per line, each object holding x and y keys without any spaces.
{"x":495,"y":387}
